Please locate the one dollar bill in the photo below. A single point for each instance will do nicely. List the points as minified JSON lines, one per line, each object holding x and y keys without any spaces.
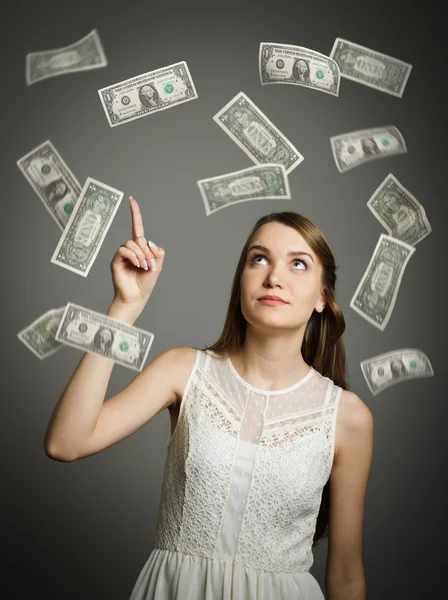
{"x":371,"y":68}
{"x":255,"y":134}
{"x":84,"y":234}
{"x":39,"y":336}
{"x":52,"y":181}
{"x":147,"y":93}
{"x":375,"y":296}
{"x":283,"y":63}
{"x":90,"y":331}
{"x":399,"y":212}
{"x":85,"y":54}
{"x":358,"y":147}
{"x":384,"y":370}
{"x":254,"y":183}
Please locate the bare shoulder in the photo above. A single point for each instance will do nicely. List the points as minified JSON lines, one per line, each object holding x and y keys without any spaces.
{"x":184,"y":358}
{"x":354,"y":418}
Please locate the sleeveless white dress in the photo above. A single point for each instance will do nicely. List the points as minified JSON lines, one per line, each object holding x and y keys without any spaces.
{"x":242,"y":486}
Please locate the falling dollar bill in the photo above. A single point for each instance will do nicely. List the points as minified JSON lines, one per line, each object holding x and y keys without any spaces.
{"x":358,"y":147}
{"x":91,"y":331}
{"x":84,"y":234}
{"x":371,"y":68}
{"x":147,"y":93}
{"x":255,"y":134}
{"x":39,"y":337}
{"x":83,"y":55}
{"x":254,"y":183}
{"x":52,"y":181}
{"x":374,"y":298}
{"x":384,"y":370}
{"x":401,"y":214}
{"x":283,"y":63}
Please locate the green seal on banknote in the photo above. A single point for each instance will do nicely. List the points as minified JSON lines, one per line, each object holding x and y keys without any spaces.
{"x":169,"y":88}
{"x":124,"y":346}
{"x":68,"y":208}
{"x":320,"y":74}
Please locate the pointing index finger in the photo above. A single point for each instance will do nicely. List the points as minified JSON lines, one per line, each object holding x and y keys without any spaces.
{"x":137,"y":221}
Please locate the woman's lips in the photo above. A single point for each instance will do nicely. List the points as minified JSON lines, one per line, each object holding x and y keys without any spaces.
{"x":271,"y":302}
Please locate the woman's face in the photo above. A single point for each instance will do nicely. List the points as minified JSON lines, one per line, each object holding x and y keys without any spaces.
{"x":294,"y":278}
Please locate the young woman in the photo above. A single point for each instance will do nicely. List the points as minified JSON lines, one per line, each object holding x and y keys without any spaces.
{"x":269,"y":447}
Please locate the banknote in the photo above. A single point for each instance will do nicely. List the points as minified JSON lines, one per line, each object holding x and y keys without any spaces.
{"x":358,"y":147}
{"x":147,"y":93}
{"x":255,"y":134}
{"x":283,"y":63}
{"x":377,"y":70}
{"x":94,"y":332}
{"x":85,"y":54}
{"x":384,"y":370}
{"x":254,"y":183}
{"x":90,"y":220}
{"x":52,"y":181}
{"x":39,"y":336}
{"x":375,"y":296}
{"x":401,"y":214}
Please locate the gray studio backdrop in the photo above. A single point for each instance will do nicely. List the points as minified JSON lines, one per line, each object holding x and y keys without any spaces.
{"x":83,"y":530}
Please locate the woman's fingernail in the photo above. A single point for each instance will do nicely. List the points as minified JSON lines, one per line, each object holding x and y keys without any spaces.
{"x":145,"y":264}
{"x":137,"y":262}
{"x":152,"y":245}
{"x":153,"y":264}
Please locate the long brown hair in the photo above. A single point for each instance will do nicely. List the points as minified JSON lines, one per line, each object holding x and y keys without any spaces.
{"x":322,"y":346}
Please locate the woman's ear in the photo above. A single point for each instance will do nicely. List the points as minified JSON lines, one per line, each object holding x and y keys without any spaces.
{"x":320,"y":305}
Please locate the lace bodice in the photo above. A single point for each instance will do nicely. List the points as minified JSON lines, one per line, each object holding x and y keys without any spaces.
{"x":246,"y":467}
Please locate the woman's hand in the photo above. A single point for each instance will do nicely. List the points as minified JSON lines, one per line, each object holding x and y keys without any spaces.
{"x":136,"y":265}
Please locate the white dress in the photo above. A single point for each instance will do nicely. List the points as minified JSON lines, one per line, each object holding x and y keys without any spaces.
{"x":242,"y":486}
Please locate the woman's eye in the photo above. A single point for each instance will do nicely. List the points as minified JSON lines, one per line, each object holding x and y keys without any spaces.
{"x":257,"y":256}
{"x":299,"y":260}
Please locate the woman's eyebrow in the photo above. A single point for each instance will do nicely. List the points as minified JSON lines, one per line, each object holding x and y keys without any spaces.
{"x":290,"y":253}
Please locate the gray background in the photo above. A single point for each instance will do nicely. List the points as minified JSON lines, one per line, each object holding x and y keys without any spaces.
{"x":83,"y":530}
